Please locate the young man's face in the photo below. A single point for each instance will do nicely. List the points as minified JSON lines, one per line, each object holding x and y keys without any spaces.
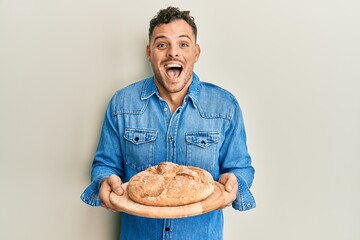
{"x":173,"y":52}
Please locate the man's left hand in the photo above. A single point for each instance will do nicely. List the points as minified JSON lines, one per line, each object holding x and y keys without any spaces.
{"x":231,"y":186}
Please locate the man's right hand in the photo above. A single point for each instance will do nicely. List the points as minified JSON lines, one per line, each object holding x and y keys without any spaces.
{"x":108,"y":185}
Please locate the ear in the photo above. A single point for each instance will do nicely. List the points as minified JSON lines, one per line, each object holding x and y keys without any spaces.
{"x":197,"y":52}
{"x":148,"y":52}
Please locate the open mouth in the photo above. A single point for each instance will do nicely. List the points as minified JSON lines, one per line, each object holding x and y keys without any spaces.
{"x":173,"y":70}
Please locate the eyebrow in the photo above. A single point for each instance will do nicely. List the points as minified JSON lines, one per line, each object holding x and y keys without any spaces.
{"x":181,"y":36}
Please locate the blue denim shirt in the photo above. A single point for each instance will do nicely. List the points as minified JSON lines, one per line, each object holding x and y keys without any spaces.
{"x":140,"y":131}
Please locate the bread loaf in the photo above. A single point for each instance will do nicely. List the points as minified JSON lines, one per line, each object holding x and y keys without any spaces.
{"x":170,"y":184}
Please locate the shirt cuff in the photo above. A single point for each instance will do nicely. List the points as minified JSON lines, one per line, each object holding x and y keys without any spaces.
{"x":90,"y":195}
{"x":244,"y":199}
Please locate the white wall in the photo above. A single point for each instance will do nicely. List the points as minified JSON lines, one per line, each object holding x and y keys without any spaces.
{"x":293,"y":65}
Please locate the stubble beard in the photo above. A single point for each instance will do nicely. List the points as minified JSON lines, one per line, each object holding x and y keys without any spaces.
{"x":168,"y":88}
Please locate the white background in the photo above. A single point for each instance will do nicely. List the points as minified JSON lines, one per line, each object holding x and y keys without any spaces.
{"x":293,"y":65}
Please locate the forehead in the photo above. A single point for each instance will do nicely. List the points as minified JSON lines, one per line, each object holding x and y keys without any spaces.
{"x":174,"y":29}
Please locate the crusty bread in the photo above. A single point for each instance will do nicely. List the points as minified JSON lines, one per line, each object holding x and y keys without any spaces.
{"x":170,"y":184}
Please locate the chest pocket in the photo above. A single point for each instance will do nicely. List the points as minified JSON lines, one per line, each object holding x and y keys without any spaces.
{"x":139,"y":148}
{"x":202,"y":149}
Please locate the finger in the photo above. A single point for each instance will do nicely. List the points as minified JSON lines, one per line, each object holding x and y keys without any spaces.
{"x":223,"y":179}
{"x":224,"y":206}
{"x":115,"y":184}
{"x":228,"y":202}
{"x":104,"y":194}
{"x":230,"y":183}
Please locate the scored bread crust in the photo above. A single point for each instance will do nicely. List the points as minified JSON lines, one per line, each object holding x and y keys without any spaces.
{"x":169,"y":184}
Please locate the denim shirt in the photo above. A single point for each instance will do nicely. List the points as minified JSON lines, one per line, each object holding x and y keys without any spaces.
{"x":140,"y":131}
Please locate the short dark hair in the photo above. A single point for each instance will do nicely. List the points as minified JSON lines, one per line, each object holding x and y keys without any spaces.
{"x":170,"y":14}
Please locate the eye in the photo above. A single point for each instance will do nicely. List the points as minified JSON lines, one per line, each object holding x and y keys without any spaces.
{"x":184,"y":45}
{"x":161,"y":45}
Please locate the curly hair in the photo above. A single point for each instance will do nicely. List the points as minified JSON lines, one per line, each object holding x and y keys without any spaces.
{"x":170,"y":14}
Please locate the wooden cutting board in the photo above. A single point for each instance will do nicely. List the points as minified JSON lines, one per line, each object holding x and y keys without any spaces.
{"x":125,"y":204}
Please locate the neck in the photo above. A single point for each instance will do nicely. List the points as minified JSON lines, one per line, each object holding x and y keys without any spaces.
{"x":174,"y":100}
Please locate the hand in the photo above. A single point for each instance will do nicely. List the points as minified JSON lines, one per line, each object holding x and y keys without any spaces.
{"x":110,"y":184}
{"x":231,"y":186}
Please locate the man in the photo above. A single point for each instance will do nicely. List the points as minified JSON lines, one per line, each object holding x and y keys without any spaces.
{"x":174,"y":117}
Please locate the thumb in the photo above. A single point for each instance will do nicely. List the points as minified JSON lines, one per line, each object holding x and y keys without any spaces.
{"x":115,"y":184}
{"x":229,"y":181}
{"x":223,"y":179}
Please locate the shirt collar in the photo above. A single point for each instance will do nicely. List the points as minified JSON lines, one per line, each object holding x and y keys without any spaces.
{"x":194,"y":90}
{"x":150,"y":89}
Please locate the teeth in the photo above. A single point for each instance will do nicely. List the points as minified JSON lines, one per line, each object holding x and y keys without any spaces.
{"x":173,"y":65}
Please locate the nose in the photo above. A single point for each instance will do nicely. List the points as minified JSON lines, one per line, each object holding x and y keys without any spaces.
{"x":173,"y":51}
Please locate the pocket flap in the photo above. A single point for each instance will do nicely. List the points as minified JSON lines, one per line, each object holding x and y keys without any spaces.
{"x":140,"y":136}
{"x":202,"y":139}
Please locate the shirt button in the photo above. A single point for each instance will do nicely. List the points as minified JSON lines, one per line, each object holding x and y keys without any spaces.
{"x":167,"y":229}
{"x":165,"y":109}
{"x":248,"y":205}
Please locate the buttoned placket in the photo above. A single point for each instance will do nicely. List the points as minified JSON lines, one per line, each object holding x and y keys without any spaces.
{"x":172,"y":122}
{"x":167,"y":229}
{"x":171,"y":138}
